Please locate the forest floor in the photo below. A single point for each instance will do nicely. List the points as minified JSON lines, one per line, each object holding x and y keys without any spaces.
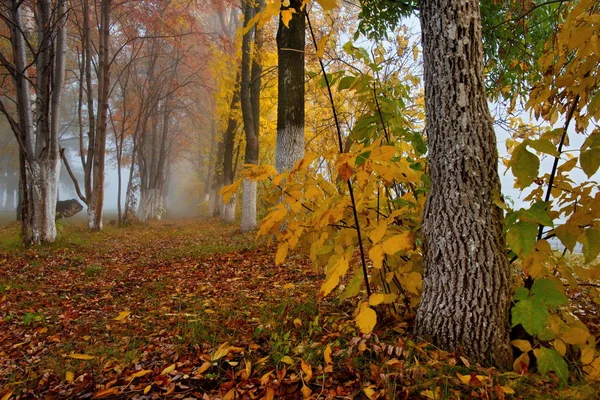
{"x":195,"y":309}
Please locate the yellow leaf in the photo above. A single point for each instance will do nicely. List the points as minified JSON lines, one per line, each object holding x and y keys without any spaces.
{"x":307,"y":370}
{"x":366,"y":318}
{"x":286,"y":17}
{"x":376,"y":256}
{"x":289,"y":286}
{"x":230,"y":395}
{"x":401,"y":242}
{"x":575,"y":335}
{"x":81,"y":356}
{"x":521,"y":363}
{"x":507,"y":389}
{"x":377,"y":234}
{"x":282,"y":252}
{"x":306,"y":392}
{"x":321,"y":46}
{"x":415,"y":51}
{"x":221,"y":351}
{"x":330,"y":284}
{"x":147,"y":389}
{"x":587,"y":355}
{"x":168,"y":370}
{"x":122,"y":316}
{"x":327,"y":4}
{"x":7,"y":395}
{"x":297,"y":322}
{"x":370,"y":392}
{"x":204,"y":367}
{"x":106,"y":392}
{"x":466,"y":379}
{"x":141,"y":373}
{"x":522,"y":345}
{"x":327,"y":355}
{"x":287,"y":360}
{"x":412,"y":282}
{"x":376,"y":299}
{"x":560,"y":347}
{"x":69,"y":376}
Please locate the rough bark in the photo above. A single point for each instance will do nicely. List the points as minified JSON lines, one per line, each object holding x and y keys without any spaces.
{"x":464,"y":307}
{"x":289,"y":147}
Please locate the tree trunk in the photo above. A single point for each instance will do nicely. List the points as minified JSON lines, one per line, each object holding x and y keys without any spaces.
{"x":250,"y":105}
{"x":465,"y":300}
{"x":290,"y":85}
{"x":95,"y":214}
{"x":39,"y":156}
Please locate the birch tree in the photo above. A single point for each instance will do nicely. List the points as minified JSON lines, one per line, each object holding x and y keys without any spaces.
{"x":38,"y":42}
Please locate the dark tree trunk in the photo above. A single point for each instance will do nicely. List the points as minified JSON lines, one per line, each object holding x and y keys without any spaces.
{"x":465,"y":300}
{"x":290,"y":86}
{"x":250,"y":99}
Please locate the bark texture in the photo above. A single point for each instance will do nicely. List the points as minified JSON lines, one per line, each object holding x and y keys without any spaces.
{"x":465,"y":300}
{"x":36,"y":128}
{"x":251,"y":71}
{"x":290,"y":101}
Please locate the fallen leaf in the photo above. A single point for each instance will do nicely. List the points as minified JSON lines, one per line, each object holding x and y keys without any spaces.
{"x":122,"y":316}
{"x":168,"y":370}
{"x":81,"y":356}
{"x":327,"y":355}
{"x":141,"y":373}
{"x":69,"y":376}
{"x":106,"y":392}
{"x":287,"y":360}
{"x":221,"y":352}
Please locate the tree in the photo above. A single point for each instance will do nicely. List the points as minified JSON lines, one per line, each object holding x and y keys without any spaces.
{"x":37,"y":119}
{"x":466,"y":290}
{"x":93,"y":157}
{"x":250,"y":101}
{"x":290,"y":100}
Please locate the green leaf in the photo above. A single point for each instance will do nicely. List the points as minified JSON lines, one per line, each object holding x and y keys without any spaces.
{"x":543,"y":146}
{"x":568,"y":234}
{"x":548,"y":292}
{"x":346,"y":82}
{"x":525,"y":165}
{"x":521,"y":293}
{"x":591,"y":244}
{"x":538,"y":213}
{"x":353,"y":288}
{"x":550,"y":360}
{"x":532,"y":315}
{"x":547,"y":335}
{"x":590,"y":161}
{"x":521,"y":237}
{"x":362,"y":158}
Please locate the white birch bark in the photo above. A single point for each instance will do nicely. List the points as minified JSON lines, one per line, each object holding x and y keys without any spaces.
{"x":228,"y":209}
{"x":249,"y":206}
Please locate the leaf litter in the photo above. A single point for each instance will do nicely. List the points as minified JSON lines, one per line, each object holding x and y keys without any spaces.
{"x":196,"y":309}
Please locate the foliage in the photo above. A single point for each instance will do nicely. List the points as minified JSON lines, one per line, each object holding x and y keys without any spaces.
{"x":383,"y":160}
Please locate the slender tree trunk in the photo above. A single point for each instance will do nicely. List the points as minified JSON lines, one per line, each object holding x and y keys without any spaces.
{"x":95,"y":221}
{"x":249,"y":101}
{"x":465,"y":300}
{"x":290,"y":85}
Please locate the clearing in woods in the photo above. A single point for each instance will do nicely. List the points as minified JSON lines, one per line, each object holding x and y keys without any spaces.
{"x":196,"y":309}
